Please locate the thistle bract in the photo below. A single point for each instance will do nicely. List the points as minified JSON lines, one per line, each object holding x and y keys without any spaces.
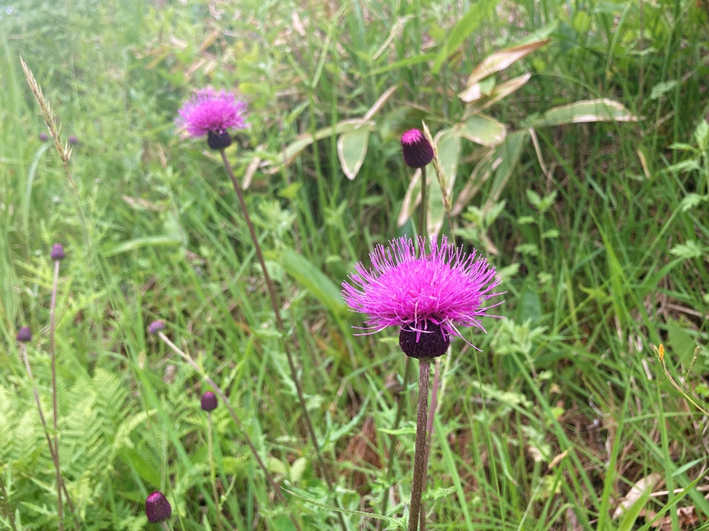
{"x":417,"y":150}
{"x":209,"y":401}
{"x":427,"y":297}
{"x":24,"y":334}
{"x":57,"y":252}
{"x":157,"y":508}
{"x":210,"y":113}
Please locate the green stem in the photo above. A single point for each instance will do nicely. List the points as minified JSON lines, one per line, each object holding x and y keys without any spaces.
{"x":212,"y":472}
{"x":422,"y":207}
{"x":52,"y":329}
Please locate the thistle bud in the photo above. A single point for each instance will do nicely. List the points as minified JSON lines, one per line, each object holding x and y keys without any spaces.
{"x":417,"y":151}
{"x":24,"y":334}
{"x":157,"y":508}
{"x":209,"y":401}
{"x":57,"y":252}
{"x":155,"y":327}
{"x":73,"y":140}
{"x":43,"y":137}
{"x":218,"y":141}
{"x":425,"y":340}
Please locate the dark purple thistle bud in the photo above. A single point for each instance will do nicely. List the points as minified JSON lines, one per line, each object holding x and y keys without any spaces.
{"x":418,"y":151}
{"x":24,"y":334}
{"x":209,"y":401}
{"x":425,"y":340}
{"x":217,"y":141}
{"x":155,"y":327}
{"x":43,"y":137}
{"x":157,"y":508}
{"x":57,"y":252}
{"x":73,"y":140}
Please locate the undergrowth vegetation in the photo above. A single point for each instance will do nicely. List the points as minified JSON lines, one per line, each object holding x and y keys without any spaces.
{"x":564,"y":418}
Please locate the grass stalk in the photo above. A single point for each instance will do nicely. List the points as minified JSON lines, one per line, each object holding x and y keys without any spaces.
{"x":420,"y":454}
{"x":236,"y":420}
{"x":281,"y":328}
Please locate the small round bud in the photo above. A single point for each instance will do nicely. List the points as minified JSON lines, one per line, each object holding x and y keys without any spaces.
{"x":155,"y":327}
{"x":423,"y":340}
{"x":209,"y":401}
{"x":417,"y":151}
{"x":57,"y":252}
{"x":157,"y":508}
{"x":73,"y":140}
{"x":218,"y":141}
{"x":24,"y":334}
{"x":43,"y":137}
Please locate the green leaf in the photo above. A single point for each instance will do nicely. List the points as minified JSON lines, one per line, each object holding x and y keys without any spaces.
{"x":483,"y":130}
{"x":507,"y":155}
{"x":137,"y":243}
{"x":690,"y":249}
{"x":530,"y":307}
{"x":464,"y":27}
{"x":701,"y":135}
{"x":681,"y":341}
{"x":599,"y":110}
{"x":448,"y":147}
{"x":313,"y":280}
{"x":351,"y":149}
{"x":501,"y":59}
{"x":409,"y":61}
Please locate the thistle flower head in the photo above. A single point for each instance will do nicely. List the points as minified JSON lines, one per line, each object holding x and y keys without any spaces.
{"x":209,"y":401}
{"x":155,"y":327}
{"x":417,"y":150}
{"x":428,"y":297}
{"x":24,"y":334}
{"x":57,"y":252}
{"x":157,"y":508}
{"x":210,"y":113}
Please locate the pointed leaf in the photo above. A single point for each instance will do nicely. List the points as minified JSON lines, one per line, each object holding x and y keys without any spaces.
{"x":478,"y":12}
{"x":503,"y":90}
{"x":502,"y":59}
{"x":483,"y":130}
{"x":448,"y":147}
{"x":313,"y":280}
{"x":481,"y":173}
{"x":351,"y":149}
{"x":506,"y":157}
{"x":599,"y":110}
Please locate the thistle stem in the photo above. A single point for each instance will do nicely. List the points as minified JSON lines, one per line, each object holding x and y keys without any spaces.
{"x":392,"y":438}
{"x":420,"y":455}
{"x":281,"y":328}
{"x":422,"y":208}
{"x":236,"y":420}
{"x":52,"y":329}
{"x":429,"y":434}
{"x":30,"y":375}
{"x":212,"y":471}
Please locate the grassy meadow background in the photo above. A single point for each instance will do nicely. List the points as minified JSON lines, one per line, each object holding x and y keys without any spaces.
{"x":601,"y":232}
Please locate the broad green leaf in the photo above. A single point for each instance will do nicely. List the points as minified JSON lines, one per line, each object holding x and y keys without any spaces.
{"x":313,"y":280}
{"x":505,"y":159}
{"x":478,"y":12}
{"x":600,"y":110}
{"x":502,"y":59}
{"x":448,"y":147}
{"x":351,"y":149}
{"x":483,"y":130}
{"x":478,"y":90}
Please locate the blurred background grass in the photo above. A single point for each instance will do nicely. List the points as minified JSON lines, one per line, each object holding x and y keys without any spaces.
{"x":604,"y":251}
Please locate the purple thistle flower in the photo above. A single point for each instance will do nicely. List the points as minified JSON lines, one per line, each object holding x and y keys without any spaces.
{"x":417,"y":150}
{"x":24,"y":334}
{"x":157,"y":508}
{"x":211,"y":114}
{"x":57,"y":252}
{"x":209,"y":401}
{"x":428,"y":297}
{"x":155,"y":327}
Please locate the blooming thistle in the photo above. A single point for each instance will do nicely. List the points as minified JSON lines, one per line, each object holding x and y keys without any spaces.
{"x":157,"y":508}
{"x":427,"y":297}
{"x":417,"y":151}
{"x":209,"y":401}
{"x":210,"y":113}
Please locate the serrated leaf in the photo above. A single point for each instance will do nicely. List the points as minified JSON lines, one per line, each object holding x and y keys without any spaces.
{"x":502,"y":59}
{"x":689,"y":249}
{"x":684,"y":166}
{"x":483,"y":130}
{"x":692,"y":200}
{"x":550,"y":234}
{"x":351,"y":150}
{"x":534,"y":198}
{"x":527,"y":248}
{"x":663,"y":88}
{"x":599,"y":110}
{"x":701,"y":135}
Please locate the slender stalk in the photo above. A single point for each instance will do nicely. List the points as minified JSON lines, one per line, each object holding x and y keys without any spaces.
{"x":429,"y":434}
{"x":392,"y":438}
{"x":281,"y":328}
{"x":212,"y":471}
{"x":30,"y":375}
{"x":166,"y":526}
{"x":236,"y":420}
{"x":420,"y":455}
{"x":423,"y":225}
{"x":52,"y":329}
{"x":6,"y":504}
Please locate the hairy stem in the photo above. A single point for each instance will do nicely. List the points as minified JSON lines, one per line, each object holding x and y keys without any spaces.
{"x":422,"y":207}
{"x":420,"y":455}
{"x":236,"y":420}
{"x":52,"y":329}
{"x":429,"y":434}
{"x":281,"y":328}
{"x":212,"y":471}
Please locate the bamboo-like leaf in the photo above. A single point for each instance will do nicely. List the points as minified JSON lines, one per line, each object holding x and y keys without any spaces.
{"x":313,"y":280}
{"x":483,"y":130}
{"x":505,"y":159}
{"x":481,"y":173}
{"x":502,"y":91}
{"x":599,"y":110}
{"x":502,"y":59}
{"x":351,"y":149}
